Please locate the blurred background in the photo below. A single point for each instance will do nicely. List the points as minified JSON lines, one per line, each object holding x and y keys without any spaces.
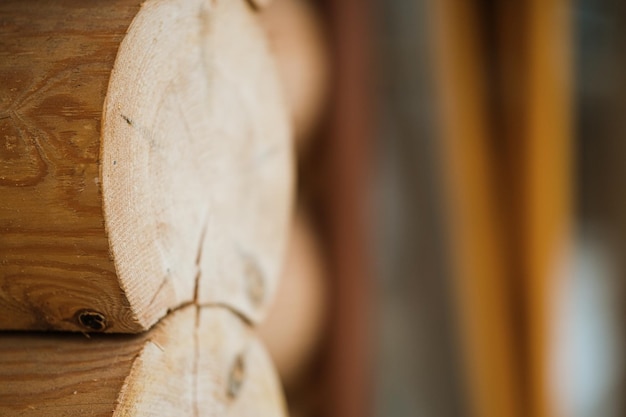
{"x":458,"y":244}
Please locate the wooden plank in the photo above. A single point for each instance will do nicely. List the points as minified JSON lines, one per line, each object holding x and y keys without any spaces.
{"x":145,"y":163}
{"x":197,"y":361}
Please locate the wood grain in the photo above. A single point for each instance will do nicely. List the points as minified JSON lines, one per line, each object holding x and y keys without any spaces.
{"x":145,"y":162}
{"x":197,"y":361}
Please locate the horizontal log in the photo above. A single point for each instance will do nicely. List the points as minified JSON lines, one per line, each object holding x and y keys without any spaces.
{"x":300,"y":45}
{"x":196,"y":362}
{"x":294,"y":328}
{"x":145,"y":162}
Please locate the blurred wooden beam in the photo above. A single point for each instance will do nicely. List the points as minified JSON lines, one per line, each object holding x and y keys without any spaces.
{"x":548,"y":185}
{"x":350,"y":132}
{"x":478,"y":229}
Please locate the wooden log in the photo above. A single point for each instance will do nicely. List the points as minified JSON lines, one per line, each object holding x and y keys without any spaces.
{"x":196,"y":362}
{"x":260,"y":4}
{"x":145,"y":162}
{"x":295,"y":324}
{"x":299,"y":43}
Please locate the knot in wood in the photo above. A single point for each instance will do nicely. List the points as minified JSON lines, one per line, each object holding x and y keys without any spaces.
{"x":236,"y":377}
{"x":92,"y":320}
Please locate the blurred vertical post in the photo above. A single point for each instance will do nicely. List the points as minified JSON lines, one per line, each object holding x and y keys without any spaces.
{"x":477,"y":229}
{"x":350,"y":131}
{"x":507,"y":129}
{"x":532,"y":115}
{"x":548,"y":187}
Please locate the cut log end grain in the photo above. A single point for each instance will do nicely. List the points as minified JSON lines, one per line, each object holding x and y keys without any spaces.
{"x":146,"y":162}
{"x":196,"y":362}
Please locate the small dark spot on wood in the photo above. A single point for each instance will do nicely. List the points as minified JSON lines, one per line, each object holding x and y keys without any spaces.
{"x":92,"y":320}
{"x":255,"y":282}
{"x":114,"y":162}
{"x":128,"y":120}
{"x":236,"y":377}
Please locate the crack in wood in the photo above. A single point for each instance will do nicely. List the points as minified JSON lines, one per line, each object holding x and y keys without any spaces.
{"x":199,"y":260}
{"x":196,"y":411}
{"x":127,"y":119}
{"x":161,"y":286}
{"x":196,"y":365}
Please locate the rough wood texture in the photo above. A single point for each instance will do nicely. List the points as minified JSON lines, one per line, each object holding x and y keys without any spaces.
{"x":144,"y":162}
{"x":196,"y":362}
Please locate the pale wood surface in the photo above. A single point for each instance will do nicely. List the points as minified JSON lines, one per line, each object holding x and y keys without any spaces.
{"x":145,"y":162}
{"x":196,"y":362}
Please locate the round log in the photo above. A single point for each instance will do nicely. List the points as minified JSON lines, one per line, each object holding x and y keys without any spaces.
{"x":295,"y":324}
{"x":195,"y":362}
{"x":298,"y":41}
{"x":145,"y":162}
